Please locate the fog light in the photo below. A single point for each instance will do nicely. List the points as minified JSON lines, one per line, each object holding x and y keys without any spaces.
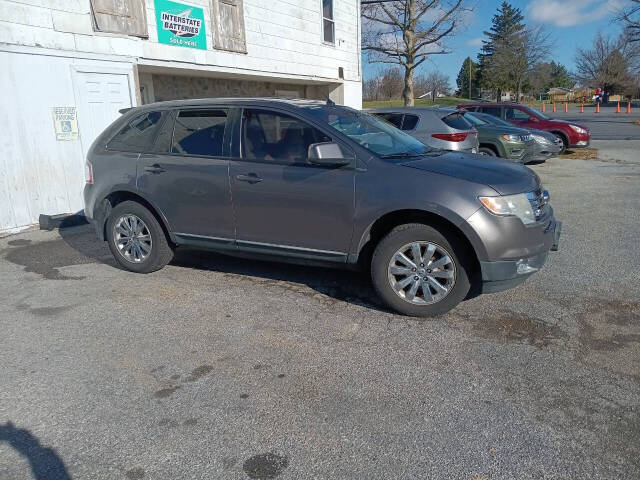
{"x":523,"y":267}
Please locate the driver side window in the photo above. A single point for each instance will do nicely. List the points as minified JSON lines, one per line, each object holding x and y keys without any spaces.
{"x":277,"y":137}
{"x":516,"y":114}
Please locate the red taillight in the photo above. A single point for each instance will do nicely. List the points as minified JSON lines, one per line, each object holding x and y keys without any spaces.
{"x":453,"y":137}
{"x":88,"y":172}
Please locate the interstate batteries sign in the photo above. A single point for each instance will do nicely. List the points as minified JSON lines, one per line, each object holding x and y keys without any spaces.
{"x":181,"y":25}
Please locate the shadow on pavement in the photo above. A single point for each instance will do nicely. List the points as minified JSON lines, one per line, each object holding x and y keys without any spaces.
{"x":44,"y":461}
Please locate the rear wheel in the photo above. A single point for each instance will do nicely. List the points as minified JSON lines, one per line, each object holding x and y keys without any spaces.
{"x":136,"y":238}
{"x":417,"y":271}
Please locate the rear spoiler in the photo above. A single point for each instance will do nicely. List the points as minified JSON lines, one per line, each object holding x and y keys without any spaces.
{"x":125,"y":110}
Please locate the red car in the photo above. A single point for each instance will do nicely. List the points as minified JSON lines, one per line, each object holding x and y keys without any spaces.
{"x":572,"y":134}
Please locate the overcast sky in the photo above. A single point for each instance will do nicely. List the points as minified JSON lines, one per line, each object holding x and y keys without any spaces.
{"x":572,"y":23}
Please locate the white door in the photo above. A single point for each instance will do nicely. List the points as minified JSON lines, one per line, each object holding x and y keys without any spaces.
{"x":100,"y":96}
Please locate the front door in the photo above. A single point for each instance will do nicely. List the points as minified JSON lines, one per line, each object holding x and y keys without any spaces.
{"x":186,"y":175}
{"x":281,"y":202}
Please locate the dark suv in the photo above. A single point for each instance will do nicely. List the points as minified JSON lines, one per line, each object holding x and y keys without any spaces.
{"x":315,"y":182}
{"x":572,"y":134}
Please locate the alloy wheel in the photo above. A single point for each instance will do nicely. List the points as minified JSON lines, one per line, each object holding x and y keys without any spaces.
{"x":132,"y":238}
{"x":422,"y":273}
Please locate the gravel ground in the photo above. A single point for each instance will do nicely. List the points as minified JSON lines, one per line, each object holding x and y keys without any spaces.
{"x":224,"y":368}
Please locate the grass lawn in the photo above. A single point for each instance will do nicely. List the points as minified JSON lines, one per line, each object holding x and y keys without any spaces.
{"x":420,"y":102}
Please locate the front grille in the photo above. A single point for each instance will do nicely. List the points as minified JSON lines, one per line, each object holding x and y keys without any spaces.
{"x":539,"y":201}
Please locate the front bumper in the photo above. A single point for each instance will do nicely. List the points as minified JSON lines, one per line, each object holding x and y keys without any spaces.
{"x":580,"y":140}
{"x":504,"y":274}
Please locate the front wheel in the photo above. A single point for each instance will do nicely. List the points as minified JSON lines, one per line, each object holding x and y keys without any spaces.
{"x":416,"y":271}
{"x":136,"y":238}
{"x":565,"y":143}
{"x":486,"y":151}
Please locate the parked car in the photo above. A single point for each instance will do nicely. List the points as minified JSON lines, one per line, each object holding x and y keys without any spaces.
{"x":302,"y":180}
{"x":571,"y":134}
{"x":443,"y":128}
{"x":546,"y":145}
{"x":512,"y":143}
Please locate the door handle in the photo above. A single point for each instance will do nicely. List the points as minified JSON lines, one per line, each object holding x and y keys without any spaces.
{"x":251,"y":178}
{"x":155,"y":168}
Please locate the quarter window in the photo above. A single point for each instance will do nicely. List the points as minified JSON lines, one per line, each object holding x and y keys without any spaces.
{"x":328,"y":24}
{"x":277,"y":137}
{"x":410,"y":122}
{"x":393,"y":118}
{"x":199,"y":132}
{"x":137,"y":135}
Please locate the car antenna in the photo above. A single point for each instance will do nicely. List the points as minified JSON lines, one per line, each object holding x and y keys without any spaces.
{"x":330,"y":103}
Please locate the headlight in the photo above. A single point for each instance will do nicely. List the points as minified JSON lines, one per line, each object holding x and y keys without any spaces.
{"x":578,"y":129}
{"x":511,"y":138}
{"x":510,"y":205}
{"x":541,"y":139}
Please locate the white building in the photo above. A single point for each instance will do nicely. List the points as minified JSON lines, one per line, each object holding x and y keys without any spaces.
{"x":68,"y":66}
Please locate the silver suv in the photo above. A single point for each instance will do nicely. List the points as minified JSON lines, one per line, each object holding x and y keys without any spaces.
{"x":309,"y":181}
{"x":443,"y":128}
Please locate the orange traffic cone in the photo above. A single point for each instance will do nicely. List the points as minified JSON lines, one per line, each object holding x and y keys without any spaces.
{"x":582,"y":108}
{"x":618,"y":108}
{"x":543,"y":108}
{"x":597,"y":107}
{"x":566,"y":107}
{"x":554,"y":108}
{"x":629,"y":107}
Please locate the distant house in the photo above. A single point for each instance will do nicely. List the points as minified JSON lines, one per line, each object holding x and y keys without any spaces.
{"x":559,"y":94}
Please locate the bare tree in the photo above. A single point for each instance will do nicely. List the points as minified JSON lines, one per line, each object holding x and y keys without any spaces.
{"x":433,"y":83}
{"x":607,"y":64}
{"x":407,"y":32}
{"x":387,"y":85}
{"x":631,"y":17}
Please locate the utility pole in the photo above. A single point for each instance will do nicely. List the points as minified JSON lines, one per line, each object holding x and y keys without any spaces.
{"x":469,"y":78}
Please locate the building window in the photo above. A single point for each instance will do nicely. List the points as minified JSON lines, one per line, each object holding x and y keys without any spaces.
{"x":228,"y":26}
{"x":127,"y":17}
{"x":328,"y":25}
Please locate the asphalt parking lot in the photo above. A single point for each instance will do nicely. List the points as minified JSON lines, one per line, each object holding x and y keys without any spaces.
{"x":227,"y":368}
{"x":606,"y":125}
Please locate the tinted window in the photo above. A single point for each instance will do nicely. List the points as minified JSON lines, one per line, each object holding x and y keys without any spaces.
{"x":495,"y":111}
{"x":516,"y":114}
{"x":279,"y":137}
{"x":410,"y":122}
{"x":138,"y":134}
{"x":393,"y":118}
{"x":457,"y":121}
{"x":199,"y":132}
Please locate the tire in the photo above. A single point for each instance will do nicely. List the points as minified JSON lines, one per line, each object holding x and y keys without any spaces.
{"x":382,"y":278}
{"x":565,"y":142}
{"x":154,"y":253}
{"x":487,"y":151}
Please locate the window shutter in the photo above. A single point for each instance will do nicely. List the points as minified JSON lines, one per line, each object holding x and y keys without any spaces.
{"x":228,"y":26}
{"x":120,"y":16}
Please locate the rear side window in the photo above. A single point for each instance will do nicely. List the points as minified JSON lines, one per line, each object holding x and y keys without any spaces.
{"x":137,"y":135}
{"x":495,"y":111}
{"x":394,"y":118}
{"x":199,"y":132}
{"x":410,"y":122}
{"x":457,"y":121}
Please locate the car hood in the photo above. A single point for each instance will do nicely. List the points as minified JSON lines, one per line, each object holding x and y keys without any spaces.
{"x":504,"y":177}
{"x":556,"y":120}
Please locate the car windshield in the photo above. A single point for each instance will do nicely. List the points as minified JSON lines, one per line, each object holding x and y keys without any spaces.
{"x":372,"y":133}
{"x":493,"y":120}
{"x":474,"y":120}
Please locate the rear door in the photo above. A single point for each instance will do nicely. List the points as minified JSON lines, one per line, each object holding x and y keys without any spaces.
{"x":185,"y":175}
{"x":281,"y":202}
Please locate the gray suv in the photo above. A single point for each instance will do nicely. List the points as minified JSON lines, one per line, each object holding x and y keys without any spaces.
{"x":313,"y":181}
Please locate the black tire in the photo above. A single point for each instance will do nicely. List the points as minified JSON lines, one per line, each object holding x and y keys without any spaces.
{"x":161,"y":252}
{"x":395,"y":240}
{"x":487,"y":151}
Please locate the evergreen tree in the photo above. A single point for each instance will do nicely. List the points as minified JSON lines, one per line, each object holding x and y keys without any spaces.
{"x":559,"y":76}
{"x":467,"y":81}
{"x":505,"y":33}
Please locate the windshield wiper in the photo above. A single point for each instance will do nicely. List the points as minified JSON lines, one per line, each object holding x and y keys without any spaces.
{"x":403,"y":154}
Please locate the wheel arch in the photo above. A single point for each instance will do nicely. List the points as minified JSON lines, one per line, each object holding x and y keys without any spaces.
{"x":118,"y":196}
{"x":496,"y":148}
{"x":387,"y":222}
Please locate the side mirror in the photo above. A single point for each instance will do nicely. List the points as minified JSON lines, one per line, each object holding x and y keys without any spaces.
{"x":327,"y":154}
